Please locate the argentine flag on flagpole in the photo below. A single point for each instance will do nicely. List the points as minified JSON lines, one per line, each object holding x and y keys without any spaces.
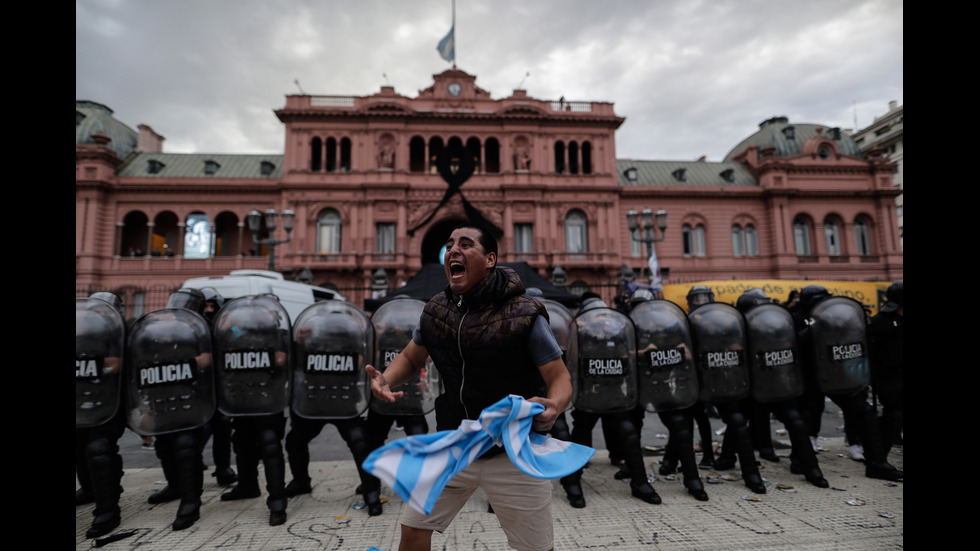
{"x":419,"y":467}
{"x":447,"y":46}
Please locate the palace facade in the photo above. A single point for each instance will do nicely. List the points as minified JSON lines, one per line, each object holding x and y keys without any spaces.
{"x":375,"y":184}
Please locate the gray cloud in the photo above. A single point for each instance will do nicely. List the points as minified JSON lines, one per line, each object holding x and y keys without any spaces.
{"x":692,"y":78}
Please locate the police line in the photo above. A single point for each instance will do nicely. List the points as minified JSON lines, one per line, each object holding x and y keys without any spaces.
{"x":869,"y":293}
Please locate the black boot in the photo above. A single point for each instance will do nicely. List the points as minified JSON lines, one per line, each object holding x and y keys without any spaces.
{"x":645,"y":492}
{"x":103,"y":524}
{"x":696,"y":488}
{"x":225,"y":476}
{"x":373,"y":500}
{"x":573,"y":489}
{"x":188,"y":513}
{"x":298,"y":486}
{"x":242,"y":491}
{"x":277,"y":511}
{"x":169,"y":492}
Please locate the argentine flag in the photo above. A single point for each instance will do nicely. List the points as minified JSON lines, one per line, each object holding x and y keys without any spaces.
{"x":447,"y":46}
{"x":419,"y":467}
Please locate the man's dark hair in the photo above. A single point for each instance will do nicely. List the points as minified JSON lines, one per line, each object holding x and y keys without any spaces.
{"x":487,"y":241}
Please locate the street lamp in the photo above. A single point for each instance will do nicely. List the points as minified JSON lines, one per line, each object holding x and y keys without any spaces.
{"x":254,"y":221}
{"x":649,"y":221}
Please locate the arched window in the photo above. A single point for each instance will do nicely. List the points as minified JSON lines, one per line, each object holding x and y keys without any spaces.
{"x":491,"y":149}
{"x":573,"y":157}
{"x":164,"y":239}
{"x":576,"y":232}
{"x":745,"y":241}
{"x":473,"y":150}
{"x":738,"y":241}
{"x":586,"y":158}
{"x":831,"y":232}
{"x":328,"y":232}
{"x":862,"y":236}
{"x":435,"y":148}
{"x":751,"y":240}
{"x":316,"y":155}
{"x":693,"y":240}
{"x":559,"y":157}
{"x":197,"y":237}
{"x":134,"y":235}
{"x":416,"y":154}
{"x":801,"y":236}
{"x":345,"y":154}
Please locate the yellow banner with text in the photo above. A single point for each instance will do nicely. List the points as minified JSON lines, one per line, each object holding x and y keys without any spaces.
{"x":869,"y":293}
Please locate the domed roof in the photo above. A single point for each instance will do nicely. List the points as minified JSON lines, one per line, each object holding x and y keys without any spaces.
{"x":91,"y":118}
{"x":788,"y":138}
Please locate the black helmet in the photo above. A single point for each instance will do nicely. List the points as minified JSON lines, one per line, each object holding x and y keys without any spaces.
{"x":750,"y":298}
{"x":812,"y":294}
{"x":895,"y":296}
{"x":191,"y":299}
{"x":699,"y":295}
{"x":591,"y":300}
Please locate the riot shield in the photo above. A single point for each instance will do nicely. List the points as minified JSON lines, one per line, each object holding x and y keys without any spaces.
{"x":560,"y":319}
{"x":840,"y":345}
{"x":100,"y":342}
{"x":774,"y":356}
{"x":602,"y":354}
{"x":393,"y":323}
{"x":251,"y":339}
{"x":720,"y":346}
{"x":668,"y":376}
{"x":332,"y":342}
{"x":170,"y":381}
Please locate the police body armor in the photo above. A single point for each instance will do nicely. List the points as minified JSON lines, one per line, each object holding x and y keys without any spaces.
{"x":332,"y":342}
{"x":720,"y":350}
{"x":602,"y":354}
{"x":668,"y":375}
{"x":840,"y":345}
{"x":394,"y":321}
{"x":170,"y":380}
{"x":100,"y":343}
{"x":252,"y":340}
{"x":774,"y":356}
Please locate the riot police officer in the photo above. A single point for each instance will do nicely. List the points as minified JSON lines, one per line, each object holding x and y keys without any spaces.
{"x":668,"y":379}
{"x":885,"y":337}
{"x":602,"y":350}
{"x":100,"y":337}
{"x":720,"y":341}
{"x":777,"y":379}
{"x":171,"y":395}
{"x":252,"y":347}
{"x":333,"y":340}
{"x":219,"y":428}
{"x":832,"y":334}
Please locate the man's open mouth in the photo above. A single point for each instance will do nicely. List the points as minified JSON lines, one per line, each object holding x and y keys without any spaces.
{"x":456,"y":269}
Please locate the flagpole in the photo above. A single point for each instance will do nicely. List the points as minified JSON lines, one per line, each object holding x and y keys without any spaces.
{"x":454,"y":34}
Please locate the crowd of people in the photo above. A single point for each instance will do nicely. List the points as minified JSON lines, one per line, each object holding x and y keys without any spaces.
{"x":488,"y":338}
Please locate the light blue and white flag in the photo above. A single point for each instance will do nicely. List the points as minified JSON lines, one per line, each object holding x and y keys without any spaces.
{"x":447,"y":46}
{"x":418,"y":467}
{"x":655,"y":280}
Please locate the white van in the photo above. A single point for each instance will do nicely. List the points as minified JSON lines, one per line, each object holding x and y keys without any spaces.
{"x":294,"y":296}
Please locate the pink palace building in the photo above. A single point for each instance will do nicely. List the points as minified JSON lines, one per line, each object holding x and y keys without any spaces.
{"x":374,"y":185}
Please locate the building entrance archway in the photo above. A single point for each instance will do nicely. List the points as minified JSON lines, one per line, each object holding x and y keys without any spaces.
{"x":435,"y":238}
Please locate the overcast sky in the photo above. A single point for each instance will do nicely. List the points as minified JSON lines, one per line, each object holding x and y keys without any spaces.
{"x":691,"y":77}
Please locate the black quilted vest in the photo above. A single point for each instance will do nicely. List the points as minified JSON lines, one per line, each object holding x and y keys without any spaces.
{"x":478,"y":343}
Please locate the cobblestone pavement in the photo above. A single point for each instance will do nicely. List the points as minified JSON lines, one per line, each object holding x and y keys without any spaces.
{"x":855,"y":513}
